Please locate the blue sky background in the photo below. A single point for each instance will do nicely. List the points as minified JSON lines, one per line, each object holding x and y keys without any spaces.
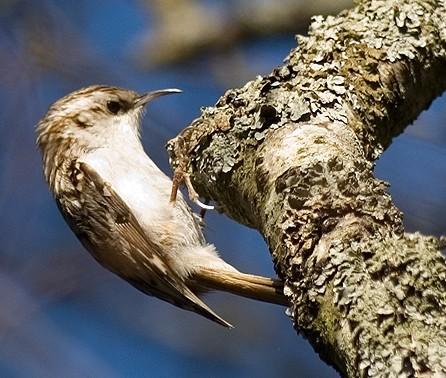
{"x":63,"y":315}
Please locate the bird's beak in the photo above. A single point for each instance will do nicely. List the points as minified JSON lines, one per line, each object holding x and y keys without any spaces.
{"x":149,"y":96}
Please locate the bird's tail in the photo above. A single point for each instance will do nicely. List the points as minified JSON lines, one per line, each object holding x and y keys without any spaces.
{"x":246,"y":285}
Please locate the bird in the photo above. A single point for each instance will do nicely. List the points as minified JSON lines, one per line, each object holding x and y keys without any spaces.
{"x":117,"y":202}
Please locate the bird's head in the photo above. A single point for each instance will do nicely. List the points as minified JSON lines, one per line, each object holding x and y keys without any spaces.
{"x":95,"y":116}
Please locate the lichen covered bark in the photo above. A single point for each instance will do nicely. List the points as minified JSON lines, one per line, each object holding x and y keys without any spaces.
{"x":292,"y":153}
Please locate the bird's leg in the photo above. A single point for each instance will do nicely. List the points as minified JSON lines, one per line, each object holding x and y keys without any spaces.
{"x":180,"y":177}
{"x":177,"y":180}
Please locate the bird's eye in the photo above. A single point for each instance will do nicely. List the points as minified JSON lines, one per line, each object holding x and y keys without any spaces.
{"x":114,"y":106}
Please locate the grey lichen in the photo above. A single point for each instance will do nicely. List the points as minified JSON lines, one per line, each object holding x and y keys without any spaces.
{"x":292,"y":153}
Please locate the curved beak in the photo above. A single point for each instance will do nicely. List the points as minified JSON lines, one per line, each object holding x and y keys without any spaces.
{"x":149,"y":96}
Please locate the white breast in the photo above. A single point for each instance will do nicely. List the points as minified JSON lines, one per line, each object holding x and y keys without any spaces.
{"x":136,"y":179}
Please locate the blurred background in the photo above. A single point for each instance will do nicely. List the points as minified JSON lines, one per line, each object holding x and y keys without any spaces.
{"x":61,"y":314}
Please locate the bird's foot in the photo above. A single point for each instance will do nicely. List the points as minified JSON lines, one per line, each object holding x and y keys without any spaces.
{"x":179,"y":178}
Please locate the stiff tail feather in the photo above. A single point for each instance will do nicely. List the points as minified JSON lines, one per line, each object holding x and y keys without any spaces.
{"x":246,"y":285}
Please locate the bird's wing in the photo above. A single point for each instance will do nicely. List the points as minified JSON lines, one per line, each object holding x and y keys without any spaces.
{"x":105,"y":214}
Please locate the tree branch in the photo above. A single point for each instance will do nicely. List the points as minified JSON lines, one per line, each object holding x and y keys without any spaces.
{"x":292,"y":153}
{"x":187,"y":28}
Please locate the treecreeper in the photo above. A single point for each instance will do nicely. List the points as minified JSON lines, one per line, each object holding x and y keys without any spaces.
{"x":117,"y":202}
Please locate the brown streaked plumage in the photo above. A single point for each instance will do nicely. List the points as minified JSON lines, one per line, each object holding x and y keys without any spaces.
{"x":116,"y":201}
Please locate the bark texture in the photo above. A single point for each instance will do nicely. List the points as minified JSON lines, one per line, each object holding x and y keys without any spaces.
{"x":292,"y":154}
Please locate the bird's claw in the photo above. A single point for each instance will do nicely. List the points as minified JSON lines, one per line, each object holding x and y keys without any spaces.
{"x":179,"y":178}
